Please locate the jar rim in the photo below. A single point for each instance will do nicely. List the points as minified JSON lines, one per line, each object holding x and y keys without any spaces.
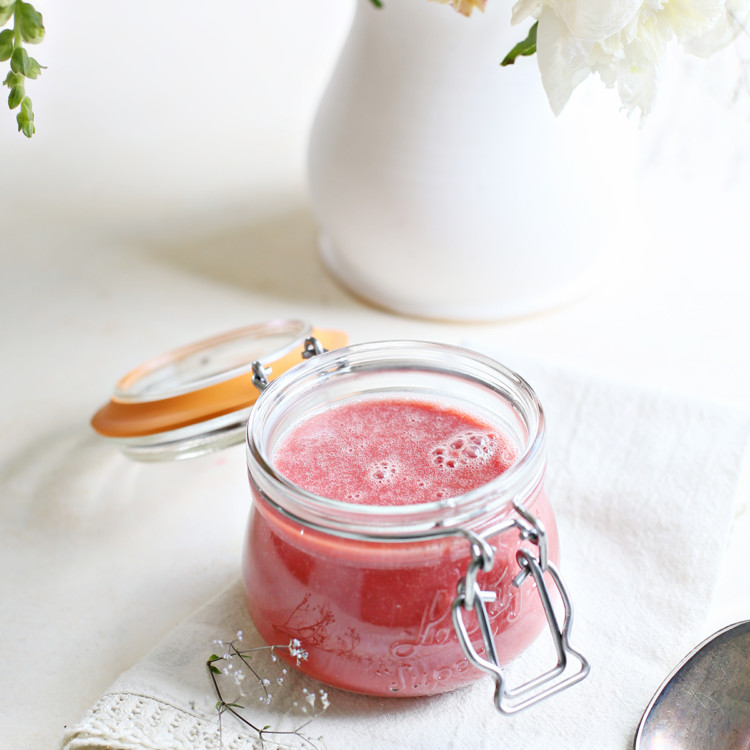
{"x":400,"y":522}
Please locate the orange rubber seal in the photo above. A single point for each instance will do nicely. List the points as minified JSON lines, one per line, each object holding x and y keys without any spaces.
{"x":121,"y":418}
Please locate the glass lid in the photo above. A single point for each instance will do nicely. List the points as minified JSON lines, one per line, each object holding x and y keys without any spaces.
{"x":197,"y":398}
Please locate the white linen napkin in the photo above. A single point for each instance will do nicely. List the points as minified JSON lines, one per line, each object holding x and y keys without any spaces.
{"x":644,"y":486}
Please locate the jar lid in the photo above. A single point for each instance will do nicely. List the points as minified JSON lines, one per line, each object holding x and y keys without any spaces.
{"x":197,"y":398}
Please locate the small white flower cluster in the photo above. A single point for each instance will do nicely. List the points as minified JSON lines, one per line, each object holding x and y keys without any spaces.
{"x":311,"y":697}
{"x":296,"y":650}
{"x":241,"y":667}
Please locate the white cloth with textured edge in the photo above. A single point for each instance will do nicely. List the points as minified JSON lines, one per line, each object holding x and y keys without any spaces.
{"x":644,"y":487}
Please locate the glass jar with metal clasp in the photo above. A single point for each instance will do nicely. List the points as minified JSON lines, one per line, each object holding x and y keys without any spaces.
{"x":423,"y":597}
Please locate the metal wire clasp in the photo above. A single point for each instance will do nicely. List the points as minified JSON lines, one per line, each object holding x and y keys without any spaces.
{"x":311,"y":347}
{"x":566,"y":672}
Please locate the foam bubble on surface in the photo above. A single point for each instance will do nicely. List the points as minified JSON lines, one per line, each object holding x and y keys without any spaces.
{"x":464,"y":448}
{"x":383,"y":471}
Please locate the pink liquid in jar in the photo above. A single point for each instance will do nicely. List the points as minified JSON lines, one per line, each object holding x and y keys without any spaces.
{"x":375,"y":617}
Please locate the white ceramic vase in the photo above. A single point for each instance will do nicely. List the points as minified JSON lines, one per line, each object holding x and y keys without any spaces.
{"x":442,"y":184}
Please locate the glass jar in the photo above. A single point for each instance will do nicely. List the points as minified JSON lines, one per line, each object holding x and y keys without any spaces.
{"x":414,"y":599}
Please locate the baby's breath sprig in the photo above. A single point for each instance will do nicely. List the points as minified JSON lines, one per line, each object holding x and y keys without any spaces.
{"x":230,"y":668}
{"x":28,"y":28}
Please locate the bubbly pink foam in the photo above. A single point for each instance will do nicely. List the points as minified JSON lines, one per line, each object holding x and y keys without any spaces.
{"x":395,"y":451}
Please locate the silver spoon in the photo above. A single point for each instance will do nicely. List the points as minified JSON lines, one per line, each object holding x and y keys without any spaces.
{"x":705,"y":702}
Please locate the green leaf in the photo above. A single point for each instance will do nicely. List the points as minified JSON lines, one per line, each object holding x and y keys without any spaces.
{"x":214,"y":669}
{"x":20,"y":61}
{"x":13,"y":79}
{"x":6,"y":11}
{"x":25,"y":118}
{"x":526,"y":47}
{"x":35,"y":69}
{"x":214,"y":657}
{"x":377,"y":3}
{"x":6,"y":44}
{"x":30,"y":22}
{"x":16,"y":96}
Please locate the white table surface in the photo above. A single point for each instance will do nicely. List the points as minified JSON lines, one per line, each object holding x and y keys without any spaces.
{"x":163,"y":200}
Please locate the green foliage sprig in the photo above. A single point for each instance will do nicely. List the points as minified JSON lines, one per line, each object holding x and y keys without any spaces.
{"x":28,"y":28}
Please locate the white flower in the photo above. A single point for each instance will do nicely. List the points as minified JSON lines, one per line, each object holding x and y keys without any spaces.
{"x":624,"y":41}
{"x":296,"y":650}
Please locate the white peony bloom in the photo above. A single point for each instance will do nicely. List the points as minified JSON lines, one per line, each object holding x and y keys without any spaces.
{"x":624,"y":41}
